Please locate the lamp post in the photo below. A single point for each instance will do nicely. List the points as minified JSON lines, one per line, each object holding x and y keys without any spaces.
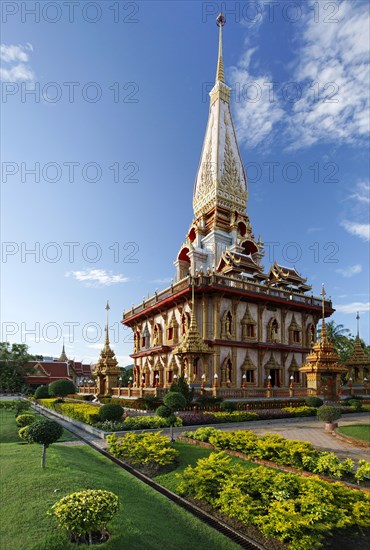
{"x":157,"y":380}
{"x":244,"y":383}
{"x":350,"y":380}
{"x":130,"y":382}
{"x":291,"y":385}
{"x":215,"y":380}
{"x":120,"y":381}
{"x":269,"y":381}
{"x":143,"y":381}
{"x":203,"y":377}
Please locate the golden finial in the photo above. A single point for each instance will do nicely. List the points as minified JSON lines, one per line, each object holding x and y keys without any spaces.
{"x":358,"y":324}
{"x":220,"y":76}
{"x":107,"y":326}
{"x":323,"y":328}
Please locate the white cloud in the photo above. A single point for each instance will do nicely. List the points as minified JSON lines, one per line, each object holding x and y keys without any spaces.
{"x":256,"y":114}
{"x":361,"y":230}
{"x":335,"y":57}
{"x":353,"y":307}
{"x":16,"y":57}
{"x":362,"y":192}
{"x":97,"y":277}
{"x":350,"y":271}
{"x":330,"y":68}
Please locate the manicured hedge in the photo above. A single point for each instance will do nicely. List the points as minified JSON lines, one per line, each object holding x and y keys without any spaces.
{"x":149,"y":449}
{"x":84,"y":412}
{"x":288,"y":452}
{"x":297,"y":510}
{"x":136,"y":423}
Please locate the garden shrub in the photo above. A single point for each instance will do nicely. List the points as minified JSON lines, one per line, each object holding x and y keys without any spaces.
{"x":297,"y":510}
{"x":42,"y":392}
{"x":314,"y":402}
{"x":363,"y":470}
{"x":228,"y":406}
{"x":236,"y":416}
{"x":356,"y":404}
{"x":110,"y":411}
{"x":163,"y":411}
{"x":45,"y":432}
{"x":24,"y":433}
{"x":25,"y":420}
{"x":61,"y":388}
{"x":328,"y":414}
{"x":85,"y":514}
{"x":20,"y":406}
{"x":275,"y":448}
{"x":301,"y":411}
{"x":147,"y":450}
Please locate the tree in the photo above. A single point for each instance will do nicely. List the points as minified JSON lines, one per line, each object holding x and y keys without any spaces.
{"x":61,"y":388}
{"x":13,"y":366}
{"x":44,"y":432}
{"x":42,"y":392}
{"x":125,"y":375}
{"x":181,"y":386}
{"x":172,"y":402}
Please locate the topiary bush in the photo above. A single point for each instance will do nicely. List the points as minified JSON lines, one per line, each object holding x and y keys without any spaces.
{"x":61,"y":388}
{"x":314,"y":402}
{"x":163,"y":411}
{"x":24,"y":434}
{"x":20,"y":406}
{"x":110,"y":411}
{"x":25,"y":420}
{"x":228,"y":406}
{"x":45,"y":432}
{"x":42,"y":392}
{"x":328,"y":414}
{"x":355,"y":403}
{"x":86,"y":514}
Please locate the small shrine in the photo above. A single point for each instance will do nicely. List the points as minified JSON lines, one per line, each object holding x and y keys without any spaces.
{"x":322,"y":367}
{"x":358,"y":365}
{"x":106,"y":370}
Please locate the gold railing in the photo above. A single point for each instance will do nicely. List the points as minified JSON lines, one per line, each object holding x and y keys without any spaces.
{"x":231,"y":282}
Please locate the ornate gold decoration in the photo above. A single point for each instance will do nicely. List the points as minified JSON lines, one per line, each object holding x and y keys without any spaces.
{"x":247,"y":364}
{"x":191,"y":341}
{"x":272,"y":363}
{"x":106,"y":369}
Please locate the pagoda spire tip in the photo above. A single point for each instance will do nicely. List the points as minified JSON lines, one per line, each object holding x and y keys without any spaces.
{"x":220,"y":75}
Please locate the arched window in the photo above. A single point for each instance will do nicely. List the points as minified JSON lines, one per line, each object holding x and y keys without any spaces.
{"x":273,"y":331}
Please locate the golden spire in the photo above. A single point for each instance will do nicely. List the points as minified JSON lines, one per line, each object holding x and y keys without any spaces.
{"x":63,"y":357}
{"x":107,"y":326}
{"x":358,"y":324}
{"x":323,"y":328}
{"x":220,"y":76}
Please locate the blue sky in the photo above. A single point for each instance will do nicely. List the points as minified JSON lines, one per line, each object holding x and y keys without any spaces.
{"x":127,"y":99}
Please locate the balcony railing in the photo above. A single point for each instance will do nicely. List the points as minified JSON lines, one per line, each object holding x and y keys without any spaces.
{"x":231,"y":282}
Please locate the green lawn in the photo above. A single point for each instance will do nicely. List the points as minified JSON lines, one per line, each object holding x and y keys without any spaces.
{"x":9,"y":428}
{"x":146,"y":521}
{"x":358,"y":431}
{"x":189,"y":455}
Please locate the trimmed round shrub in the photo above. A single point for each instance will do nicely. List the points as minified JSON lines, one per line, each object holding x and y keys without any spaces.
{"x":314,"y":402}
{"x":42,"y":392}
{"x":25,"y":420}
{"x":228,"y":406}
{"x":24,"y":433}
{"x":61,"y":388}
{"x":355,"y":403}
{"x":174,"y":401}
{"x":45,"y":431}
{"x":328,"y":414}
{"x":110,"y":411}
{"x":85,"y":514}
{"x":163,"y":411}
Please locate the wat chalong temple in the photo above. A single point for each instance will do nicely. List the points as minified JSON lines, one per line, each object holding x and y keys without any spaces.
{"x":226,"y":323}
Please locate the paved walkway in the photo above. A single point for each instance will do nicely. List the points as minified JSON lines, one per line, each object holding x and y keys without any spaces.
{"x":304,"y":429}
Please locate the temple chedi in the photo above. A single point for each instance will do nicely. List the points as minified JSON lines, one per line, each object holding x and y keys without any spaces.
{"x":106,"y":370}
{"x":225,"y":323}
{"x":358,"y":365}
{"x":323,"y":369}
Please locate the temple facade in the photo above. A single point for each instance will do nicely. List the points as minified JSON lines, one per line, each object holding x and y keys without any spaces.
{"x":225,"y":323}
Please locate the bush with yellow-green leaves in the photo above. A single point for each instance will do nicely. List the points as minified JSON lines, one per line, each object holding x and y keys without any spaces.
{"x":297,"y":510}
{"x":86,"y":514}
{"x":149,"y":451}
